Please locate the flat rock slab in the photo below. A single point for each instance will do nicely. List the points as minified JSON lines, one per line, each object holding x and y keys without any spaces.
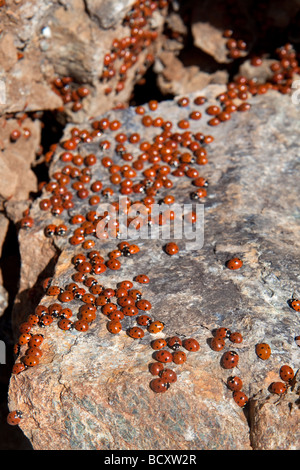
{"x":91,"y":390}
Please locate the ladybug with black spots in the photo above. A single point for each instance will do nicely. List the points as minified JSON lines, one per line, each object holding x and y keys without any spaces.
{"x":230,"y":359}
{"x":14,"y":418}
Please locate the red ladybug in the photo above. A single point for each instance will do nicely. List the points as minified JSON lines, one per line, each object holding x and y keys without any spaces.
{"x":295,"y":304}
{"x":158,"y":385}
{"x":158,"y":344}
{"x":155,"y":368}
{"x":171,"y":249}
{"x":263,"y":351}
{"x":17,"y":368}
{"x":113,"y":264}
{"x":163,"y":356}
{"x":234,"y":263}
{"x":156,"y":327}
{"x":36,"y":340}
{"x":30,"y":361}
{"x":168,"y":375}
{"x":286,"y":373}
{"x":179,"y":357}
{"x":230,"y":359}
{"x":81,"y":325}
{"x":222,"y":333}
{"x":143,"y":305}
{"x":217,"y":344}
{"x":65,"y":324}
{"x":142,"y":279}
{"x":14,"y":417}
{"x":53,"y":291}
{"x":135,"y":332}
{"x":144,"y":320}
{"x":234,"y":383}
{"x":278,"y":388}
{"x":174,"y":342}
{"x":114,"y":327}
{"x":240,"y":398}
{"x":191,"y":344}
{"x":130,"y":310}
{"x":236,"y":337}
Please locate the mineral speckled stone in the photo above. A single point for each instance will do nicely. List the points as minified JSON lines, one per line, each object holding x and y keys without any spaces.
{"x":91,"y":390}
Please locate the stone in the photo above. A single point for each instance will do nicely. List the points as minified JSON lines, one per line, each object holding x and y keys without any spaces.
{"x":91,"y":390}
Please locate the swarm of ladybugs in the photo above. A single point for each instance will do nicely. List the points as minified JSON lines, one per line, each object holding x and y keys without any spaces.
{"x":140,"y":169}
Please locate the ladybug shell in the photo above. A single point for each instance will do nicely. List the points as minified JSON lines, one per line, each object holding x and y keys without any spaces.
{"x":168,"y":375}
{"x":191,"y":344}
{"x":263,"y":350}
{"x":240,"y":398}
{"x":230,"y":360}
{"x":159,"y":385}
{"x":135,"y":332}
{"x":277,"y":387}
{"x":163,"y":356}
{"x":14,"y":418}
{"x":234,"y":383}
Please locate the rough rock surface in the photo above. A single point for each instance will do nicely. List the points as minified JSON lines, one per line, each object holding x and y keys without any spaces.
{"x":91,"y":390}
{"x":43,"y":40}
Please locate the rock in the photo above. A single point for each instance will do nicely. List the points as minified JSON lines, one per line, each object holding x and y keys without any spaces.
{"x":43,"y":41}
{"x":91,"y":390}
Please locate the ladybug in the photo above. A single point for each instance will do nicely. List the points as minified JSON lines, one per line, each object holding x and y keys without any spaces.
{"x":41,"y":310}
{"x":240,"y":398}
{"x":174,"y":342}
{"x":171,"y":249}
{"x":114,"y":327}
{"x":163,"y":356}
{"x":135,"y":332}
{"x":101,"y":300}
{"x":46,"y":283}
{"x":155,"y":368}
{"x":286,"y":373}
{"x":84,"y":267}
{"x":168,"y":375}
{"x":156,"y":327}
{"x":144,"y":320}
{"x":263,"y":351}
{"x":50,"y":230}
{"x":33,"y":319}
{"x":66,"y":296}
{"x":36,"y":341}
{"x":158,"y":385}
{"x":143,"y":305}
{"x":217,"y":344}
{"x":30,"y":361}
{"x":236,"y":337}
{"x":135,"y":294}
{"x":25,"y":327}
{"x":88,"y":299}
{"x":297,"y":340}
{"x":65,"y":313}
{"x":116,"y":315}
{"x":142,"y":279}
{"x":65,"y":324}
{"x":113,"y":264}
{"x":54,"y":290}
{"x":14,"y":417}
{"x":54,"y":310}
{"x":24,"y":338}
{"x":79,"y":258}
{"x":61,"y":230}
{"x":17,"y":368}
{"x":130,"y":310}
{"x":179,"y":357}
{"x":107,"y":309}
{"x":126,"y":284}
{"x":234,"y":383}
{"x":222,"y":333}
{"x":230,"y":359}
{"x":81,"y":325}
{"x":159,"y":344}
{"x":26,"y":222}
{"x":234,"y":263}
{"x":277,"y":387}
{"x":126,"y":301}
{"x":46,"y":320}
{"x":37,"y":352}
{"x":295,"y":304}
{"x":191,"y":344}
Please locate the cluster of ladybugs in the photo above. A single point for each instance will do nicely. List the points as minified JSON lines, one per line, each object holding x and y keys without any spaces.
{"x":172,"y":153}
{"x":70,"y":92}
{"x":125,"y":52}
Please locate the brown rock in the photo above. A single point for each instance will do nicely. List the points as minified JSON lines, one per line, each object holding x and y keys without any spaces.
{"x":91,"y":390}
